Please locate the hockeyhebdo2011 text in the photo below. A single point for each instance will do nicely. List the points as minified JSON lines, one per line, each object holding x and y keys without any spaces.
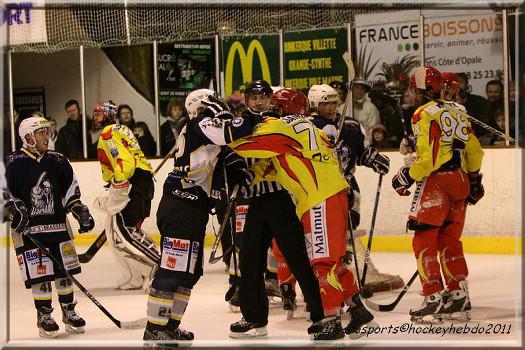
{"x":431,"y":329}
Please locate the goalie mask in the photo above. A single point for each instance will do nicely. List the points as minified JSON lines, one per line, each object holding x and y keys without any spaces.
{"x":290,"y":101}
{"x":104,"y":114}
{"x":28,"y":127}
{"x":193,"y":103}
{"x":321,"y":93}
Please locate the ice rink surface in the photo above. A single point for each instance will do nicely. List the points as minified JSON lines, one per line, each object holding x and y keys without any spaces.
{"x":494,"y":282}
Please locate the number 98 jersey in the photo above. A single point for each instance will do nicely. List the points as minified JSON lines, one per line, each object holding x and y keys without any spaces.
{"x":442,"y":132}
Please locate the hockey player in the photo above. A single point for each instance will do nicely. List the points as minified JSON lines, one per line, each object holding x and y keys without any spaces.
{"x":301,"y":158}
{"x":128,"y":199}
{"x":182,"y":217}
{"x":446,"y":173}
{"x":43,"y":190}
{"x":269,"y":213}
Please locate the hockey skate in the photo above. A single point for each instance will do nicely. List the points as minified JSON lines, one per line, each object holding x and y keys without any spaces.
{"x":329,"y":328}
{"x":47,"y":326}
{"x":156,"y":334}
{"x":246,"y":329}
{"x":457,"y":306}
{"x":179,"y":334}
{"x":232,"y":297}
{"x":359,"y":317}
{"x":432,"y":306}
{"x":272,"y":290}
{"x":288,"y":300}
{"x":74,"y":323}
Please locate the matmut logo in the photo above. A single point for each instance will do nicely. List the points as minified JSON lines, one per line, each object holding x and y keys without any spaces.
{"x":319,"y":234}
{"x":174,"y":243}
{"x":246,"y":59}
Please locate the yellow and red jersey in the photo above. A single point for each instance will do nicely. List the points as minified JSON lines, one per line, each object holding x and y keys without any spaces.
{"x":119,"y":153}
{"x":440,"y":130}
{"x":302,"y":159}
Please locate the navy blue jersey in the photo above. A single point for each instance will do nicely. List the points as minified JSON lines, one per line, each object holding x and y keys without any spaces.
{"x":351,"y":146}
{"x":47,"y":186}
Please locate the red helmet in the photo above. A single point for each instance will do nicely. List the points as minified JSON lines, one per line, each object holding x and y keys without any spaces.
{"x":290,"y":101}
{"x":452,"y":80}
{"x":426,"y":77}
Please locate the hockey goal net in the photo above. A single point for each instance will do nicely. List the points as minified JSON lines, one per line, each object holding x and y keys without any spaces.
{"x":376,"y":281}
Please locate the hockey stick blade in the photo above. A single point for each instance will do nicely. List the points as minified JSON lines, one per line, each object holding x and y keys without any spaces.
{"x":93,"y":249}
{"x":392,"y":306}
{"x":137,"y":324}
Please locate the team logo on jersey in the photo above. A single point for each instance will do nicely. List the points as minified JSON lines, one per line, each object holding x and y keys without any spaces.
{"x":42,"y":202}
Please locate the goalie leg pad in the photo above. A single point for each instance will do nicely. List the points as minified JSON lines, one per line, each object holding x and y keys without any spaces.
{"x":138,"y":239}
{"x":424,"y":245}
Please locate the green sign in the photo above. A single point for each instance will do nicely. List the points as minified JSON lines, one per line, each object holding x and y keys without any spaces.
{"x":247,"y":58}
{"x":184,"y":67}
{"x":314,"y":57}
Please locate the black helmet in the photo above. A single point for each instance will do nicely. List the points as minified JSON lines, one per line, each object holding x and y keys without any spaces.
{"x":258,"y":87}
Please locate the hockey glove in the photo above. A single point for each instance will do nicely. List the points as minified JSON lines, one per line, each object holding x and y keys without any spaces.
{"x":116,"y":199}
{"x":373,"y":159}
{"x":216,"y":108}
{"x":402,"y":181}
{"x":84,"y":218}
{"x":242,"y":176}
{"x":17,"y":214}
{"x":477,"y":191}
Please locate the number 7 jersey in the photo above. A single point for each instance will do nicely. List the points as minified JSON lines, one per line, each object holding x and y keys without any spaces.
{"x":301,"y":159}
{"x":442,"y":132}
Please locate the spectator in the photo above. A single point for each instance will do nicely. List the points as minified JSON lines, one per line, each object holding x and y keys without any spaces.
{"x":169,"y":131}
{"x":475,"y":105}
{"x":125,"y":116}
{"x":70,"y":136}
{"x":499,"y":124}
{"x":494,"y":91}
{"x":380,"y":138}
{"x":53,"y":134}
{"x":146,"y":141}
{"x":364,"y":110}
{"x":341,"y":91}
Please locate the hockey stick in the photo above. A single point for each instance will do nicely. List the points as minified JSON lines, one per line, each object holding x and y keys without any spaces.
{"x":140,"y":323}
{"x":392,"y":306}
{"x":371,"y":234}
{"x":168,"y":156}
{"x":93,"y":249}
{"x":225,"y":222}
{"x":472,"y":119}
{"x":101,"y":239}
{"x":349,"y":99}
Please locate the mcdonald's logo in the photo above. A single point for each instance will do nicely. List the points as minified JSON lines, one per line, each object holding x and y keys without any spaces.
{"x":246,"y":58}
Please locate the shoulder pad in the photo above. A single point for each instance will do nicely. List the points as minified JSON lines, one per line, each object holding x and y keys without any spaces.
{"x":56,"y":156}
{"x":352,"y":124}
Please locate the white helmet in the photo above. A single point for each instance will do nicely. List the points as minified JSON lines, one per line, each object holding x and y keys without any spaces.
{"x":29,"y":126}
{"x":194,"y":101}
{"x":321,"y":93}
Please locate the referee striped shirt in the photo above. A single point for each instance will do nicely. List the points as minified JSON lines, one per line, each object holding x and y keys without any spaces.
{"x":262,"y":187}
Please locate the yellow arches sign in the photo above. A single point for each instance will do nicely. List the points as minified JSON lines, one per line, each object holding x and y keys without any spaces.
{"x":268,"y":64}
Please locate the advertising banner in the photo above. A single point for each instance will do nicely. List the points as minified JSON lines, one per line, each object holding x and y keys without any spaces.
{"x":247,"y":58}
{"x":462,"y":41}
{"x":184,"y":67}
{"x":314,"y":57}
{"x":26,"y":23}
